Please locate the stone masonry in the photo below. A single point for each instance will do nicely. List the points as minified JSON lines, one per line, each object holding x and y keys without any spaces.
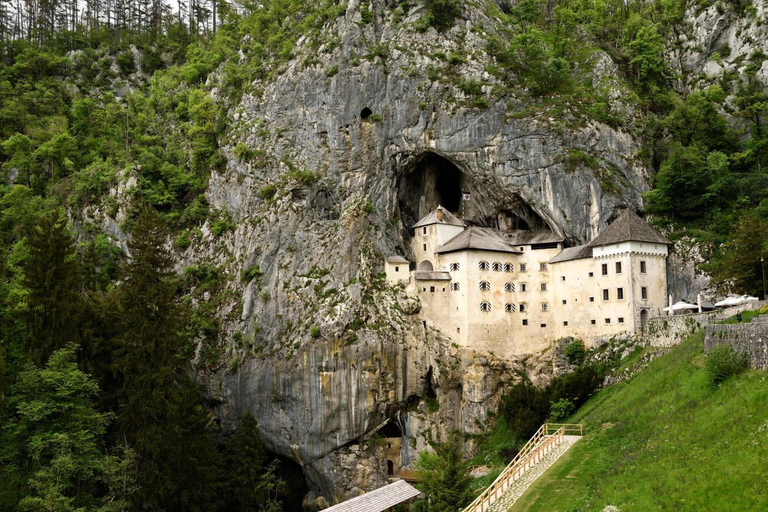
{"x":751,"y":338}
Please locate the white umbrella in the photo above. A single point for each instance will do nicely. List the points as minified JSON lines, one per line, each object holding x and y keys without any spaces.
{"x":730,"y":301}
{"x":680,"y":306}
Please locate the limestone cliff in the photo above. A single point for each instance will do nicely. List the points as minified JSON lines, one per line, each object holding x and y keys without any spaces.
{"x":347,"y":149}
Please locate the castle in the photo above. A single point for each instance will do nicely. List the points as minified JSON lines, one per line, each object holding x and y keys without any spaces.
{"x":515,"y":293}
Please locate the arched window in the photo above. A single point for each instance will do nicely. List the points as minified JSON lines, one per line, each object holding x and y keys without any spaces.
{"x":497,"y":267}
{"x":509,"y":287}
{"x":455,"y":287}
{"x":508,"y":267}
{"x":485,"y":286}
{"x":484,"y":265}
{"x":509,"y":308}
{"x":485,"y":306}
{"x":454,"y":267}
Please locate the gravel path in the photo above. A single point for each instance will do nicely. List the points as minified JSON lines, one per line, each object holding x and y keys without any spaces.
{"x":521,"y":485}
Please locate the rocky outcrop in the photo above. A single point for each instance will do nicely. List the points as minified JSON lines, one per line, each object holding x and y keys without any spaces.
{"x":318,"y":347}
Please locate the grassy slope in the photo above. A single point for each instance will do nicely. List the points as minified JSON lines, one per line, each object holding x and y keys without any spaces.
{"x":665,"y":441}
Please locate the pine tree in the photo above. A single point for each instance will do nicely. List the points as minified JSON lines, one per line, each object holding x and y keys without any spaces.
{"x":160,"y":409}
{"x":245,"y":464}
{"x":51,"y":278}
{"x":446,"y":479}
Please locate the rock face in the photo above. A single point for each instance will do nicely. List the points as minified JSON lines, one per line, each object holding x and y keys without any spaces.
{"x":319,"y":349}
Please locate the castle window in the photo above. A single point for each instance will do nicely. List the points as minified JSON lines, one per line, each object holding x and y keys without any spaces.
{"x":523,"y":267}
{"x":621,"y":320}
{"x":620,"y":293}
{"x":565,"y":301}
{"x":565,"y":324}
{"x":642,"y":267}
{"x":591,"y":299}
{"x":455,"y":287}
{"x":543,"y":287}
{"x":543,"y":326}
{"x":497,"y":266}
{"x":425,"y":247}
{"x":591,"y":274}
{"x":522,"y":308}
{"x":508,"y":267}
{"x":607,"y":320}
{"x":484,"y":265}
{"x":618,"y":267}
{"x":509,"y":287}
{"x":523,"y":287}
{"x":605,"y":269}
{"x":562,"y":278}
{"x":606,"y":295}
{"x":485,"y":306}
{"x":644,"y":293}
{"x":458,"y":330}
{"x":424,"y":230}
{"x":525,"y":321}
{"x":397,"y":269}
{"x":443,"y":288}
{"x":423,"y":289}
{"x":454,"y":267}
{"x":594,"y":322}
{"x":544,"y":307}
{"x":543,"y":267}
{"x":509,"y":308}
{"x":432,"y":289}
{"x":485,"y":286}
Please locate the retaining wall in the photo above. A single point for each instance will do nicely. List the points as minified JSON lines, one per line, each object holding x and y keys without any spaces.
{"x":751,"y":338}
{"x":667,"y":331}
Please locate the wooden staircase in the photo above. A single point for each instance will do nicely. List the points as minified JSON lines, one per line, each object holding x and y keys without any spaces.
{"x":548,"y":437}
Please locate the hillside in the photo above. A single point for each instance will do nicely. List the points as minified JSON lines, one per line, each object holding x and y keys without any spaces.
{"x":665,"y":440}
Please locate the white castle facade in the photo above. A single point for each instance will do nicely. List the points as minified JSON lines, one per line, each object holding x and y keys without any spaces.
{"x":515,"y":293}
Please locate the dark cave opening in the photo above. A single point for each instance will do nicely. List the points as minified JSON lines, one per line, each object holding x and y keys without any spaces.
{"x":295,"y":485}
{"x":518,"y":217}
{"x":391,"y":429}
{"x":430,"y":181}
{"x":365,"y":113}
{"x":429,"y":387}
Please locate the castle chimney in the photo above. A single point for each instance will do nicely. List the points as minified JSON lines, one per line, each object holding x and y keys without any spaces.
{"x":440,"y":214}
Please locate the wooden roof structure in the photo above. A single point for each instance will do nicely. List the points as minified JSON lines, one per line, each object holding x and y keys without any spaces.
{"x":477,"y":239}
{"x":380,"y":500}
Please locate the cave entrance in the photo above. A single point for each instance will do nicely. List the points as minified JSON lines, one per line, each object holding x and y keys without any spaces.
{"x":430,"y":181}
{"x":519,"y":217}
{"x":295,"y":485}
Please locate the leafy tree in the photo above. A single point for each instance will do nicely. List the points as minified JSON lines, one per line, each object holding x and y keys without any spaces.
{"x":51,"y":280}
{"x":160,"y":409}
{"x":54,"y":437}
{"x":442,"y":13}
{"x":446,"y":480}
{"x":245,"y":461}
{"x":646,"y":52}
{"x":740,"y":267}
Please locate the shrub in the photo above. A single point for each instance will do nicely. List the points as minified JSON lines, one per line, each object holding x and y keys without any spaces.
{"x":561,"y":409}
{"x":267,"y":192}
{"x":442,"y":13}
{"x":723,"y":362}
{"x":250,"y":273}
{"x":315,"y":333}
{"x":575,"y":353}
{"x":126,"y":62}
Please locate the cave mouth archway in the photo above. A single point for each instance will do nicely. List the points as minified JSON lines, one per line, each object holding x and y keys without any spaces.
{"x":431,"y":180}
{"x":518,"y":217}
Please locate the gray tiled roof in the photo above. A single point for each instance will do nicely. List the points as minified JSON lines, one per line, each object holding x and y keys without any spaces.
{"x":397,"y":259}
{"x":629,"y":227}
{"x":379,"y":500}
{"x":579,"y":252}
{"x":432,"y":275}
{"x":478,"y":239}
{"x":448,"y":219}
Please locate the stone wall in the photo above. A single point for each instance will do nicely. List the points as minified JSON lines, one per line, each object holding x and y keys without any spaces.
{"x":667,"y":331}
{"x":751,"y":338}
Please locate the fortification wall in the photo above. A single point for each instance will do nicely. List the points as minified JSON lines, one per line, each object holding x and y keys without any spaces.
{"x":667,"y":331}
{"x":751,"y":338}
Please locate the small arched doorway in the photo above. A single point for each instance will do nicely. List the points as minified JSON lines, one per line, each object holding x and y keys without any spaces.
{"x":390,"y":468}
{"x":425,"y":265}
{"x":643,"y":320}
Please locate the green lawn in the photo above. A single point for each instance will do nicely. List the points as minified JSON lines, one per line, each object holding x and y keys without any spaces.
{"x":665,"y":441}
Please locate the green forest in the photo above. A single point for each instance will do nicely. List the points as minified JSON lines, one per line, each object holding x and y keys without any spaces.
{"x":99,"y":409}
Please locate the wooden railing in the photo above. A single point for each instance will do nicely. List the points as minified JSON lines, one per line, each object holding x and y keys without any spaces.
{"x":543,"y":441}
